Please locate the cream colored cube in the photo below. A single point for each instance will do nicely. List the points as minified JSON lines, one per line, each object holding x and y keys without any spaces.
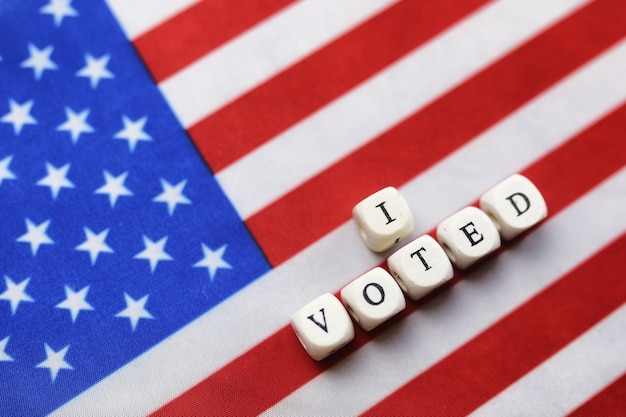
{"x":515,"y":205}
{"x":373,"y":298}
{"x":467,"y":236}
{"x":383,"y":219}
{"x":323,"y":326}
{"x":420,"y":266}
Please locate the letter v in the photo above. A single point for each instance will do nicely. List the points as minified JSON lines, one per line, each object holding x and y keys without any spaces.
{"x":322,"y":326}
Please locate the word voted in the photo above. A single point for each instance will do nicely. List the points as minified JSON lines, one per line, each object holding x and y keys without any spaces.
{"x":383,"y":219}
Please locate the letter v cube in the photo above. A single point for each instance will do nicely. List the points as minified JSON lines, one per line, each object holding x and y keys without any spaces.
{"x":383,"y":219}
{"x":323,"y":326}
{"x":515,"y":205}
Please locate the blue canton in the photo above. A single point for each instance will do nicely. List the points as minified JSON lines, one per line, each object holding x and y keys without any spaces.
{"x":113,"y":232}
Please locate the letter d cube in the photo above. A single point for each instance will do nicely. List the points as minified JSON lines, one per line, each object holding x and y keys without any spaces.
{"x":514,"y":205}
{"x":323,"y":326}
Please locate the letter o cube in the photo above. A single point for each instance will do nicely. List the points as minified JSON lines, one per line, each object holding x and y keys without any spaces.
{"x":467,"y":236}
{"x":323,"y":326}
{"x":514,"y":205}
{"x":420,"y":266}
{"x":383,"y":219}
{"x":373,"y":298}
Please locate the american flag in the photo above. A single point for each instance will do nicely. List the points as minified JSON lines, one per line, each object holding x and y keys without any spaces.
{"x":177,"y":179}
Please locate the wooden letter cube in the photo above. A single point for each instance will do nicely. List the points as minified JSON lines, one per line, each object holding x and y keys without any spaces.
{"x":323,"y":326}
{"x":383,"y":219}
{"x":467,"y":236}
{"x":420,"y":266}
{"x":373,"y":298}
{"x":514,"y":205}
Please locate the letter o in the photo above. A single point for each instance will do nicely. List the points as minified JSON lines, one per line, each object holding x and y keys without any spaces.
{"x":380,"y":290}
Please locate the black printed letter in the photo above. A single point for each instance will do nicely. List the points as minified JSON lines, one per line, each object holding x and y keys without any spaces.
{"x":322,"y":326}
{"x":471,"y":233}
{"x":511,"y":199}
{"x":380,"y":290}
{"x":417,"y":253}
{"x":382,"y":207}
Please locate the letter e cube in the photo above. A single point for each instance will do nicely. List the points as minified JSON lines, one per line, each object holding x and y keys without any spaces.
{"x":467,"y":236}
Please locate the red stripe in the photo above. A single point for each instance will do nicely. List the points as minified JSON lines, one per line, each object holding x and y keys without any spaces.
{"x":271,"y":380}
{"x":611,"y":401}
{"x":295,"y":93}
{"x":196,"y":31}
{"x":325,"y":201}
{"x":528,"y":336}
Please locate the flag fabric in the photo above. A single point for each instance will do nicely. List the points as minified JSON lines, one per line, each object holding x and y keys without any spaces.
{"x":114,"y":232}
{"x":177,"y":179}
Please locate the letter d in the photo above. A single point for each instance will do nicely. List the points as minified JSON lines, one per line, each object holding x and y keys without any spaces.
{"x":515,"y":202}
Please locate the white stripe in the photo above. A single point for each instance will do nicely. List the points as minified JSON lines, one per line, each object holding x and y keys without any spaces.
{"x":543,"y":124}
{"x":139,"y":16}
{"x":367,"y":111}
{"x":258,"y":54}
{"x":570,"y":377}
{"x":448,"y":186}
{"x":460,"y":313}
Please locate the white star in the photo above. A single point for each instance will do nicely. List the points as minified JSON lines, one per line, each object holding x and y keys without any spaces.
{"x":95,"y":244}
{"x":75,"y":301}
{"x":39,"y":60}
{"x":135,"y":310}
{"x":4,"y":357}
{"x":172,"y":195}
{"x":95,"y":69}
{"x":76,"y":124}
{"x":36,"y":235}
{"x":19,"y":115}
{"x":15,"y":293}
{"x":133,"y":132}
{"x":212,"y":260}
{"x":56,"y":179}
{"x":114,"y":187}
{"x":154,"y":252}
{"x":5,"y":172}
{"x":55,"y":361}
{"x":59,"y":9}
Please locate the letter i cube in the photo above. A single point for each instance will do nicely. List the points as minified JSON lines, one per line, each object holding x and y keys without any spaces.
{"x":467,"y":236}
{"x":323,"y":326}
{"x":383,"y":219}
{"x":514,"y":205}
